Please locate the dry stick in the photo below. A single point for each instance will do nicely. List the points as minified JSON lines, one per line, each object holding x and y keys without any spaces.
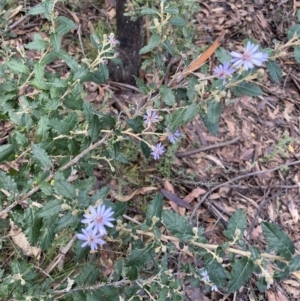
{"x":206,"y":148}
{"x":239,"y":178}
{"x":16,"y":23}
{"x":69,"y":164}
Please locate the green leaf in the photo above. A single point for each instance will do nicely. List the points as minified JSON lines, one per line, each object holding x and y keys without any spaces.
{"x":298,"y":15}
{"x":7,"y":183}
{"x":223,"y":55}
{"x":216,"y":273}
{"x":37,"y":10}
{"x":167,"y":95}
{"x":42,"y":127}
{"x":65,"y":189}
{"x":211,"y":118}
{"x":99,"y":76}
{"x":94,"y":128}
{"x":6,"y":151}
{"x":145,"y":149}
{"x":297,"y":53}
{"x":69,"y":60}
{"x":149,"y":11}
{"x":140,"y":257}
{"x":248,"y":89}
{"x":278,"y":240}
{"x":38,"y":43}
{"x":191,"y":92}
{"x":275,"y":71}
{"x":50,"y":208}
{"x":55,"y":40}
{"x":167,"y":45}
{"x":294,"y":30}
{"x":17,"y":66}
{"x":153,"y":42}
{"x":142,"y":86}
{"x":190,"y":113}
{"x":33,"y":226}
{"x":65,"y":25}
{"x":154,"y":210}
{"x":48,"y":58}
{"x":136,"y":124}
{"x":46,"y":188}
{"x":294,"y":265}
{"x":107,"y":121}
{"x":177,"y":21}
{"x":238,"y":221}
{"x":176,"y":224}
{"x":88,"y":275}
{"x":48,"y":233}
{"x":41,"y":156}
{"x":255,"y":252}
{"x":39,"y":71}
{"x":67,"y":220}
{"x":119,"y":209}
{"x":88,"y":111}
{"x":81,"y":73}
{"x":171,"y":10}
{"x":241,"y":272}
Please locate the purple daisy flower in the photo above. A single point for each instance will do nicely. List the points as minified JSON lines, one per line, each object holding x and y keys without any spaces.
{"x":249,"y":58}
{"x":99,"y":218}
{"x":223,"y":71}
{"x":172,"y":137}
{"x":150,"y":117}
{"x":158,"y":150}
{"x":91,"y":239}
{"x":205,"y":277}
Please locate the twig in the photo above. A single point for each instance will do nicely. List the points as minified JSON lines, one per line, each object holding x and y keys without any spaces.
{"x":23,"y":198}
{"x":80,"y":40}
{"x":16,"y":23}
{"x":236,"y":179}
{"x":206,"y":148}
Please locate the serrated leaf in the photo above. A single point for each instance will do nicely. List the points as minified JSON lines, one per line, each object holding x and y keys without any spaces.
{"x":136,"y":124}
{"x":275,"y":71}
{"x":50,"y":208}
{"x":177,"y":21}
{"x":238,"y":221}
{"x":119,"y":209}
{"x":65,"y":25}
{"x":241,"y":272}
{"x":46,"y":188}
{"x":176,"y":224}
{"x":42,"y":128}
{"x":38,"y":43}
{"x":99,"y":76}
{"x":55,"y":40}
{"x":167,"y":45}
{"x":141,"y":85}
{"x":171,"y":10}
{"x":223,"y":55}
{"x":7,"y":183}
{"x":88,"y":275}
{"x":100,"y":194}
{"x":191,"y":112}
{"x":41,"y":156}
{"x":94,"y":128}
{"x":81,"y":73}
{"x":211,"y":118}
{"x":154,"y":210}
{"x":145,"y":149}
{"x":297,"y":53}
{"x":33,"y":225}
{"x":248,"y":89}
{"x":37,"y":10}
{"x":140,"y":257}
{"x":216,"y":273}
{"x":68,"y":59}
{"x":47,"y":233}
{"x":6,"y":151}
{"x":294,"y":265}
{"x":153,"y":42}
{"x":88,"y":111}
{"x":278,"y":240}
{"x":294,"y":30}
{"x":39,"y":71}
{"x":167,"y":95}
{"x":66,"y":221}
{"x":65,"y":189}
{"x":191,"y":92}
{"x":17,"y":66}
{"x":255,"y":253}
{"x":107,"y":121}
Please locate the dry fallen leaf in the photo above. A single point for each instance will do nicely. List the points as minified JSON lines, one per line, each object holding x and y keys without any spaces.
{"x":126,"y":198}
{"x":293,"y":211}
{"x":195,"y":193}
{"x":19,"y":238}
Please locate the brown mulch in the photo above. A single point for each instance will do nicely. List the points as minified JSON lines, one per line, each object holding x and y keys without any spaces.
{"x":267,"y":130}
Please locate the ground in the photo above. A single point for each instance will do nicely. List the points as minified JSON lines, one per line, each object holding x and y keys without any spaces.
{"x":241,"y":166}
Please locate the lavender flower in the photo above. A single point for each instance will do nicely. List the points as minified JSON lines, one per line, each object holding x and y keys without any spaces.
{"x":112,"y":40}
{"x":99,"y":218}
{"x":150,"y":117}
{"x":172,"y":137}
{"x":223,"y":71}
{"x":158,"y":150}
{"x":91,"y":238}
{"x":205,"y":277}
{"x":249,"y":58}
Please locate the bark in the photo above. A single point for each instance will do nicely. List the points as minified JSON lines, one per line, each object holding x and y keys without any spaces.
{"x":129,"y":34}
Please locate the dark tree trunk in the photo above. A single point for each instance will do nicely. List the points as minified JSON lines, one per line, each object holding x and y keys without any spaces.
{"x":129,"y":34}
